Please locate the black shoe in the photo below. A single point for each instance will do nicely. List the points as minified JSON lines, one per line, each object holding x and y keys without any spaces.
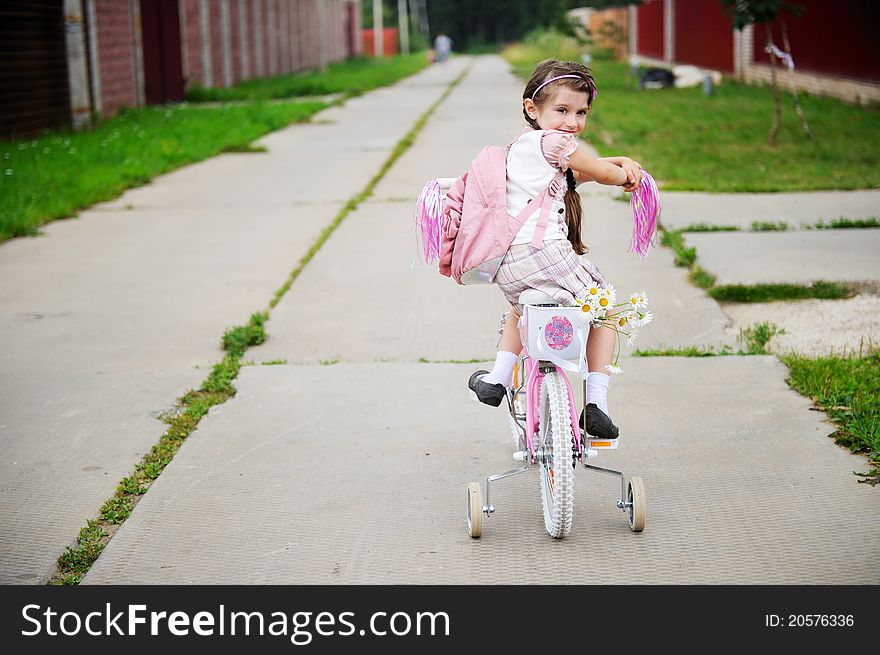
{"x":597,"y":423}
{"x":490,"y":394}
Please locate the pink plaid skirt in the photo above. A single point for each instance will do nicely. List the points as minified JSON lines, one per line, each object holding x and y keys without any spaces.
{"x":554,"y":269}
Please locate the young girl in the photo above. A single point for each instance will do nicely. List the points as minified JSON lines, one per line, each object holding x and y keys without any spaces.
{"x":556,"y":101}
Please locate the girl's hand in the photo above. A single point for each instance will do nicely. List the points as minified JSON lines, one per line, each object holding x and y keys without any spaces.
{"x":633,"y":172}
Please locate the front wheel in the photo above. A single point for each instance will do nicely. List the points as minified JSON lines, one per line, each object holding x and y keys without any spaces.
{"x":554,"y":452}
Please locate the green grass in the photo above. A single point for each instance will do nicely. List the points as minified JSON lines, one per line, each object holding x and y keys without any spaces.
{"x":690,"y":142}
{"x":847,"y":389}
{"x":756,"y":337}
{"x":684,"y":256}
{"x":689,"y":351}
{"x":768,"y":226}
{"x":706,"y":227}
{"x":53,"y":176}
{"x":847,"y":223}
{"x":348,"y":78}
{"x":771,"y":292}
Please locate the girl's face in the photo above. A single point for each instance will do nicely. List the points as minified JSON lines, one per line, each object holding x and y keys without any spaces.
{"x":565,"y":110}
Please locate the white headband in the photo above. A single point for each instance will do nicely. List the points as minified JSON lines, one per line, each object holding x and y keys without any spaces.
{"x":559,"y":77}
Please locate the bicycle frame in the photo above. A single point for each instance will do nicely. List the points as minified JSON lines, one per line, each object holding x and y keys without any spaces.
{"x":534,"y":373}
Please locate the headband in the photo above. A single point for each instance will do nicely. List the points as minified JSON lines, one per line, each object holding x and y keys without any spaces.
{"x":559,"y":77}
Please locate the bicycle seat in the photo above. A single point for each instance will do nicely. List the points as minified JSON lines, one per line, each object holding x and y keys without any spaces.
{"x":535,"y":297}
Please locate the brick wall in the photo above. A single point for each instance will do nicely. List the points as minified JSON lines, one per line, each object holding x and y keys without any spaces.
{"x":116,"y":61}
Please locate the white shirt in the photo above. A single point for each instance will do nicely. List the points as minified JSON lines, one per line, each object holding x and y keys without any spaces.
{"x":528,"y":174}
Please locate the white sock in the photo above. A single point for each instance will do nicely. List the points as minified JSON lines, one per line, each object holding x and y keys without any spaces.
{"x":502,"y":372}
{"x":597,"y":390}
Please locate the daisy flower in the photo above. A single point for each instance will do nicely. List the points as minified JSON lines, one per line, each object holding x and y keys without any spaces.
{"x":643,"y":300}
{"x":616,"y":370}
{"x":586,"y":312}
{"x":631,"y":338}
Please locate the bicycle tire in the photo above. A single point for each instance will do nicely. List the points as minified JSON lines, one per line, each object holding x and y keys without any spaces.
{"x":555,"y":442}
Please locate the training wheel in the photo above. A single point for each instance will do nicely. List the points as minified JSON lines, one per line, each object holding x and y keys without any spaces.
{"x":635,"y":499}
{"x":475,"y":510}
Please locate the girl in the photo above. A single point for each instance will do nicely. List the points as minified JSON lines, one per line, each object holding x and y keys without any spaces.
{"x":556,"y":101}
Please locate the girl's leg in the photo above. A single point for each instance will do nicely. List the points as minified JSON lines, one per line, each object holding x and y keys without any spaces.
{"x":600,"y":351}
{"x":510,"y":339}
{"x":600,"y":348}
{"x":509,"y":347}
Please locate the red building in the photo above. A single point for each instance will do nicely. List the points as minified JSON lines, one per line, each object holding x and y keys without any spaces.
{"x":65,"y":60}
{"x":833,"y":44}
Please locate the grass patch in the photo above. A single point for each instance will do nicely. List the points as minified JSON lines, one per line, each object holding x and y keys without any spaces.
{"x":706,"y":227}
{"x":690,"y":351}
{"x":768,"y":226}
{"x":349,"y":78}
{"x":756,"y":337}
{"x":53,"y":176}
{"x":700,"y":277}
{"x":691,"y":142}
{"x":847,"y":223}
{"x":771,"y":292}
{"x":674,"y":239}
{"x":847,"y":389}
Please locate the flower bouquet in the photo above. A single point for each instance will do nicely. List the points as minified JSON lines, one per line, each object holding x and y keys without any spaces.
{"x":600,"y":308}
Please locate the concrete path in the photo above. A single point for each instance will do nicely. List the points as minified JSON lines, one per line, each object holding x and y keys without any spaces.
{"x":108,"y":318}
{"x":844,"y":255}
{"x":356,"y":472}
{"x":741,"y":209}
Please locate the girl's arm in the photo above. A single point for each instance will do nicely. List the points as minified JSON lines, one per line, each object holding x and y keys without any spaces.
{"x":590,"y":168}
{"x":613,"y":171}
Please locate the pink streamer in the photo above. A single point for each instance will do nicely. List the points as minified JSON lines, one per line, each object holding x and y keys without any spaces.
{"x":646,"y":206}
{"x":428,"y":216}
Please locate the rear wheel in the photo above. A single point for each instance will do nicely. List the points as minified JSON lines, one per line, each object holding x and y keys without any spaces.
{"x":554,"y":453}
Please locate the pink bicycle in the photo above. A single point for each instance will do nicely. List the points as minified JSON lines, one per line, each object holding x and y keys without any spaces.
{"x":545,"y":420}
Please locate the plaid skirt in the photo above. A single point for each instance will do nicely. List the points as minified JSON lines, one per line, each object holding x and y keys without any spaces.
{"x":554,"y":269}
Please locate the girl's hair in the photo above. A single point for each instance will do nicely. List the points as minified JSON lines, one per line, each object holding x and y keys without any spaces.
{"x":583,"y":83}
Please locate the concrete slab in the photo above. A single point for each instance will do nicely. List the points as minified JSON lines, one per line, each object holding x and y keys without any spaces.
{"x":109,"y":313}
{"x":741,"y":209}
{"x":797,"y":257}
{"x":346,"y":475}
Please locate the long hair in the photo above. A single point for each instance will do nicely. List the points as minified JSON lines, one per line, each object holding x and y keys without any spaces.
{"x":584,"y":83}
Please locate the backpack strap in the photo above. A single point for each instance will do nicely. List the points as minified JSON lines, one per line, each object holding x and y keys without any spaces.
{"x":544,"y":200}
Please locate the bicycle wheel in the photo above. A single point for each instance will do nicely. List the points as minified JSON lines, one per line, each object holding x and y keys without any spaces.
{"x":555,"y":441}
{"x":475,"y":510}
{"x":635,"y":499}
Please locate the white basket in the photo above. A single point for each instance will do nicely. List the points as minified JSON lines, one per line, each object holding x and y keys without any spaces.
{"x":556,"y":334}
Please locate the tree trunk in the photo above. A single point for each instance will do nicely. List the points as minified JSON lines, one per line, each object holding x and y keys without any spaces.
{"x":777,"y":110}
{"x":794,"y":93}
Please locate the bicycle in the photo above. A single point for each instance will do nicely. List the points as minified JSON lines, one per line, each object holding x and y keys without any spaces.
{"x":545,"y":420}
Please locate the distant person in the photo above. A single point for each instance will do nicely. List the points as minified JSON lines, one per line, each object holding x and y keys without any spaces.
{"x":442,"y":48}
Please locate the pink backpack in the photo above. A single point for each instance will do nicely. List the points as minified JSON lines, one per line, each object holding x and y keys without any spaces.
{"x":470,"y":231}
